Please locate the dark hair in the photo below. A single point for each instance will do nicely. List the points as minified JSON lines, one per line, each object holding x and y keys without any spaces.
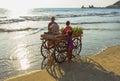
{"x":52,"y":18}
{"x":68,"y":23}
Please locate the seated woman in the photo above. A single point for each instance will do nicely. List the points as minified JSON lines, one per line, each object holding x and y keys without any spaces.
{"x":68,"y":31}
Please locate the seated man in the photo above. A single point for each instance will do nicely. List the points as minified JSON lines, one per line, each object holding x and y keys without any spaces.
{"x":53,"y":28}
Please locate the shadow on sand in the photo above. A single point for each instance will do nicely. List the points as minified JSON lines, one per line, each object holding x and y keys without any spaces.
{"x":79,"y":69}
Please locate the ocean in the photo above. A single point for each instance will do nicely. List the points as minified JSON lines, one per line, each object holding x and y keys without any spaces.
{"x":20,"y":34}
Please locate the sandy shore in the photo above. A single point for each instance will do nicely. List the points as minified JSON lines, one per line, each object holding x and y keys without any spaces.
{"x":109,"y":59}
{"x":101,"y":67}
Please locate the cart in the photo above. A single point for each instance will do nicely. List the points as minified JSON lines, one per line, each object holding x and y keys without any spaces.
{"x":59,"y":51}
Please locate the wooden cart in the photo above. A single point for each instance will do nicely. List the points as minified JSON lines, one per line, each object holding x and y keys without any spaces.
{"x":59,"y":51}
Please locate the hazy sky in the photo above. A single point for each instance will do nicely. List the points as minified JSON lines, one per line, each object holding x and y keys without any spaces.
{"x":15,"y":4}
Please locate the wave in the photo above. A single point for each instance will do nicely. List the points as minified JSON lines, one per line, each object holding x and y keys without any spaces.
{"x":3,"y":17}
{"x":102,"y":29}
{"x":47,"y":17}
{"x":5,"y":20}
{"x":37,"y":31}
{"x":101,"y":22}
{"x":36,"y":18}
{"x":32,"y":45}
{"x":8,"y":21}
{"x":15,"y":30}
{"x":88,"y":14}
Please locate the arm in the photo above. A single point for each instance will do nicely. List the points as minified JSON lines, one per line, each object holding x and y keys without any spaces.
{"x":49,"y":26}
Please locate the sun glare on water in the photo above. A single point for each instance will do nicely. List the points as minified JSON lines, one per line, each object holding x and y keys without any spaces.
{"x":20,"y":56}
{"x":16,"y":12}
{"x":17,"y":7}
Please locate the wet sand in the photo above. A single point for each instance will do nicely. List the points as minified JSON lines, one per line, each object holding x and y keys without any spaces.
{"x":101,"y":67}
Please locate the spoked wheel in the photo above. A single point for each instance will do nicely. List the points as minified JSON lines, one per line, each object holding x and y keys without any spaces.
{"x":77,"y":46}
{"x":60,"y":51}
{"x":45,"y":49}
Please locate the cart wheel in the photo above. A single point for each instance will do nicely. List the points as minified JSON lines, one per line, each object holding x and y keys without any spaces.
{"x":60,"y":52}
{"x":77,"y":46}
{"x":45,"y":50}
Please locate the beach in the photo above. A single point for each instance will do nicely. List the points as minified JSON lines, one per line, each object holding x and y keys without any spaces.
{"x":20,"y":41}
{"x":109,"y":59}
{"x":101,"y":67}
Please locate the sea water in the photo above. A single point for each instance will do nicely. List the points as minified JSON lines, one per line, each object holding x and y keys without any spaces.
{"x":20,"y":35}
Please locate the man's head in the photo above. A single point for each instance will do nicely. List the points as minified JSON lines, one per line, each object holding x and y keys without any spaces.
{"x":52,"y":19}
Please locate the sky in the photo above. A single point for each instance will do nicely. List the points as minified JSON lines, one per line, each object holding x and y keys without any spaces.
{"x":25,"y":4}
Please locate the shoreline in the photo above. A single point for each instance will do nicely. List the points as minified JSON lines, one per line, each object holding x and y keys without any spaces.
{"x":103,"y":49}
{"x":104,"y":65}
{"x":109,"y":58}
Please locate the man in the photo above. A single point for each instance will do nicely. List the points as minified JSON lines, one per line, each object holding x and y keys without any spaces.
{"x":53,"y":27}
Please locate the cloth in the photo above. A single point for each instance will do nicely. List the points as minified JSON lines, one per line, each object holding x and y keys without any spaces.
{"x":70,"y":42}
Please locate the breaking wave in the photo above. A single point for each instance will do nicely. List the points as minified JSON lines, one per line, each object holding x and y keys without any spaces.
{"x":103,"y":29}
{"x":46,"y":17}
{"x":8,"y":21}
{"x":15,"y":30}
{"x":101,"y":22}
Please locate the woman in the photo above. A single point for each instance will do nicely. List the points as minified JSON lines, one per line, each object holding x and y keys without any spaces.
{"x":68,"y":31}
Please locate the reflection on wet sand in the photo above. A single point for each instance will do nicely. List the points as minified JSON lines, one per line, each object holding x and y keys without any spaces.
{"x":20,"y":53}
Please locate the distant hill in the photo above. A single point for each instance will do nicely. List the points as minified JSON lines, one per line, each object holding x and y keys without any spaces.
{"x":115,"y":5}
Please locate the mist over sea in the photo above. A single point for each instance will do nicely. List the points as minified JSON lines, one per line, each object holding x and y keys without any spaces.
{"x":20,"y":34}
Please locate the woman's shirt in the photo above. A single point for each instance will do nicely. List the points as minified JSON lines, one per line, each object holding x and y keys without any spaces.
{"x":69,"y":38}
{"x":67,"y":28}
